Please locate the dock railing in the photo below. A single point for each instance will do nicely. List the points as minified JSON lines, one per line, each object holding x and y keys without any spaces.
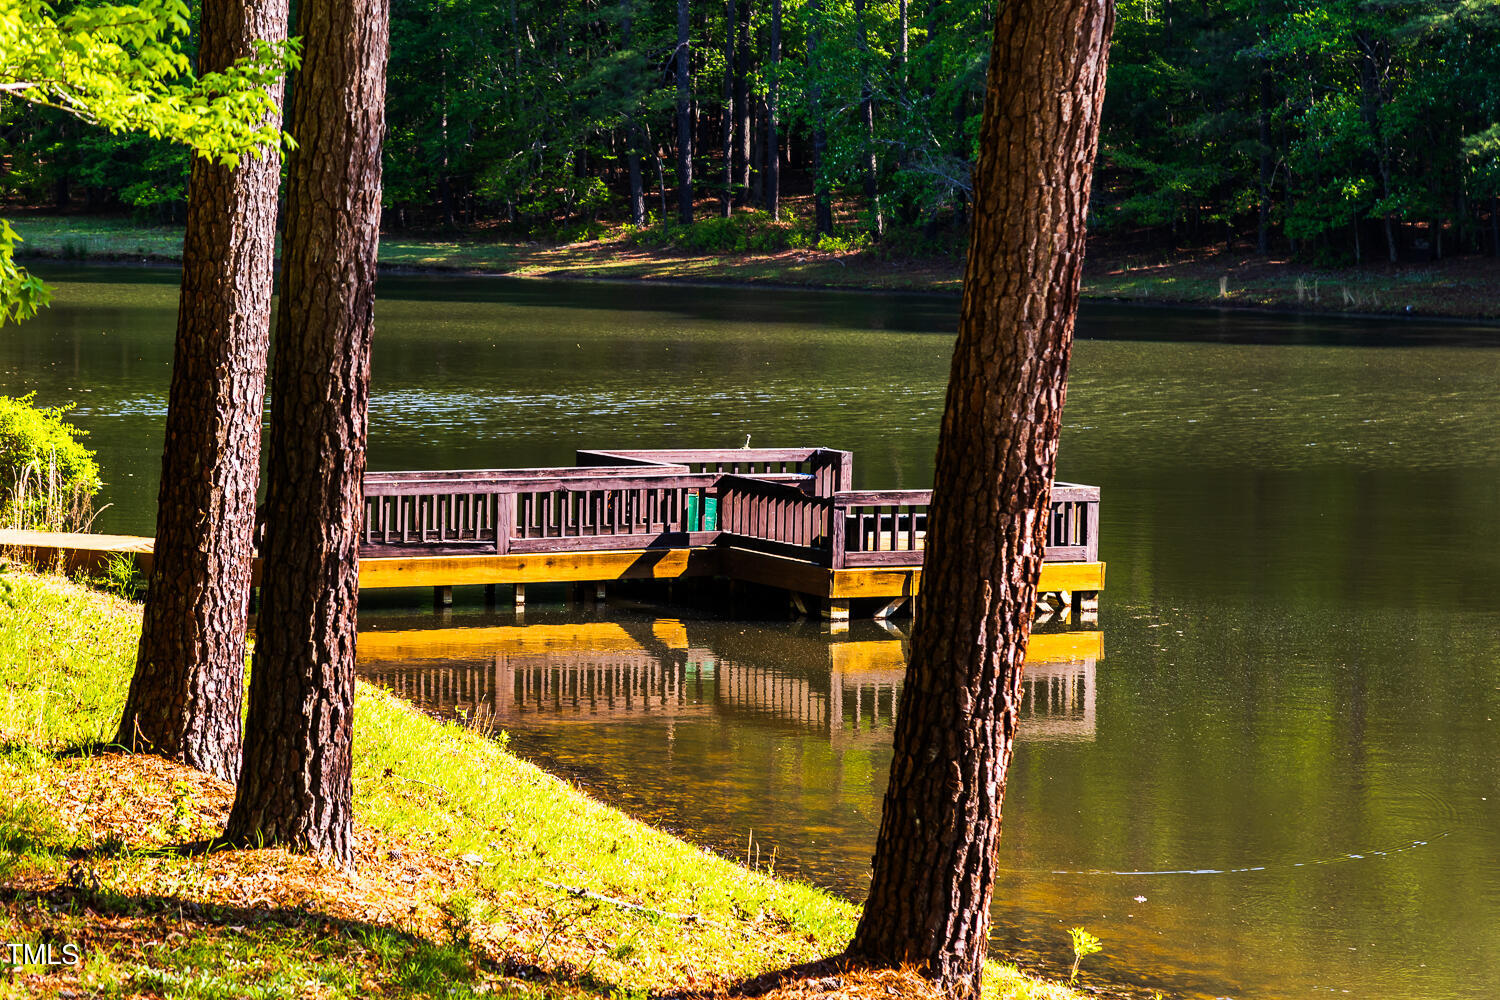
{"x":889,"y":527}
{"x":832,"y":470}
{"x":864,"y":528}
{"x":785,"y":502}
{"x":532,"y":510}
{"x":774,"y":517}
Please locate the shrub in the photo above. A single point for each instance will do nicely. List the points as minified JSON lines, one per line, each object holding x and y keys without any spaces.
{"x":748,"y":230}
{"x":47,"y":479}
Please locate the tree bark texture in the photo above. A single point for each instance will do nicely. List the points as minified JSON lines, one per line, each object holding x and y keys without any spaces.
{"x":684,"y":119}
{"x":934,"y":863}
{"x":185,"y":697}
{"x":295,"y":788}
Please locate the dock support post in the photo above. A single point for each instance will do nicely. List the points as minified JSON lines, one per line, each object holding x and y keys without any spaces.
{"x":799,"y":606}
{"x":1086,"y":606}
{"x":600,"y":593}
{"x":890,"y":608}
{"x":520,"y":597}
{"x":442,"y":597}
{"x":836,"y":609}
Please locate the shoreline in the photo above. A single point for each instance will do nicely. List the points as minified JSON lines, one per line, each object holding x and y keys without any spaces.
{"x":162,"y":263}
{"x":1460,"y":290}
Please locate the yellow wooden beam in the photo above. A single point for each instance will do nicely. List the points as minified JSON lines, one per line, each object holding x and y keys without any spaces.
{"x":558,"y":567}
{"x":887,"y":582}
{"x":1085,"y":576}
{"x":874,"y":582}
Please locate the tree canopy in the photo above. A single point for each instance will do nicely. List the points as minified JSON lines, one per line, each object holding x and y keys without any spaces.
{"x":1348,"y":129}
{"x":127,"y":68}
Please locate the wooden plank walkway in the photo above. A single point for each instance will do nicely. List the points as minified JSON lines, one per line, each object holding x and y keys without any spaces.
{"x":778,"y":517}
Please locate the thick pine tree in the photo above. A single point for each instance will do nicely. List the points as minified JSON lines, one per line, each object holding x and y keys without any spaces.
{"x":185,"y":698}
{"x":296,"y":784}
{"x":934,"y":866}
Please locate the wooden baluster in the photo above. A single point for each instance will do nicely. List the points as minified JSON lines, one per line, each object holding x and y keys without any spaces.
{"x":505,"y":517}
{"x":837,"y":541}
{"x":1091,"y":531}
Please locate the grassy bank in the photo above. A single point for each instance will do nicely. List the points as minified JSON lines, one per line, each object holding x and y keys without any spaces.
{"x":1464,"y":287}
{"x":478,"y":874}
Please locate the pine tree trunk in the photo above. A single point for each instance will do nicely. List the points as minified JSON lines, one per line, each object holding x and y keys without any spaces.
{"x":684,"y":120}
{"x":934,"y":866}
{"x":633,"y":158}
{"x":822,"y":205}
{"x":742,"y":114}
{"x":729,"y":115}
{"x":1263,"y":219}
{"x":185,"y":698}
{"x":903,"y":42}
{"x":867,"y":122}
{"x":296,"y":785}
{"x":1494,"y":225}
{"x":773,"y":129}
{"x":633,"y":141}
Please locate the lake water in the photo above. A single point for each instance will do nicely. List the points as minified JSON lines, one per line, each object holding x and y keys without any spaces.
{"x":1288,"y":746}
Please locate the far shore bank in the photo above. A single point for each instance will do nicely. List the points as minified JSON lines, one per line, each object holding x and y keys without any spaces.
{"x":1466,"y":288}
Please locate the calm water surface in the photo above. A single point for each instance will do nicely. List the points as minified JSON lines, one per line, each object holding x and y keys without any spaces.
{"x":1288,"y":747}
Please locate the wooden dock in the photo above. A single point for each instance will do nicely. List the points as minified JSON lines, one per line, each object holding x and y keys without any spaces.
{"x":775,"y":517}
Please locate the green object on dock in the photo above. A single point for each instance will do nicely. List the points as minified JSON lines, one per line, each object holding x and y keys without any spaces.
{"x":692,"y":510}
{"x":710,"y":513}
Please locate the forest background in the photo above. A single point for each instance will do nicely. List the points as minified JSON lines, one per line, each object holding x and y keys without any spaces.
{"x":1329,"y":133}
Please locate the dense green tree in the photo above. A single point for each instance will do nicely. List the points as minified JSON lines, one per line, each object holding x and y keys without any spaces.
{"x":1347,"y":129}
{"x":125,"y":68}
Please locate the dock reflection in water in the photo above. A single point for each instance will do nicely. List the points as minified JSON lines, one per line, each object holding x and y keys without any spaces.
{"x":597,"y":672}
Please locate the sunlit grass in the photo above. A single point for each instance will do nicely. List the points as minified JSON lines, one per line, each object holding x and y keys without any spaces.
{"x":470,"y":860}
{"x":66,"y":656}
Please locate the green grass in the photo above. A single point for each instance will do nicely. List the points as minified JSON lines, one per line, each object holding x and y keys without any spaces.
{"x":81,"y":238}
{"x":91,"y":844}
